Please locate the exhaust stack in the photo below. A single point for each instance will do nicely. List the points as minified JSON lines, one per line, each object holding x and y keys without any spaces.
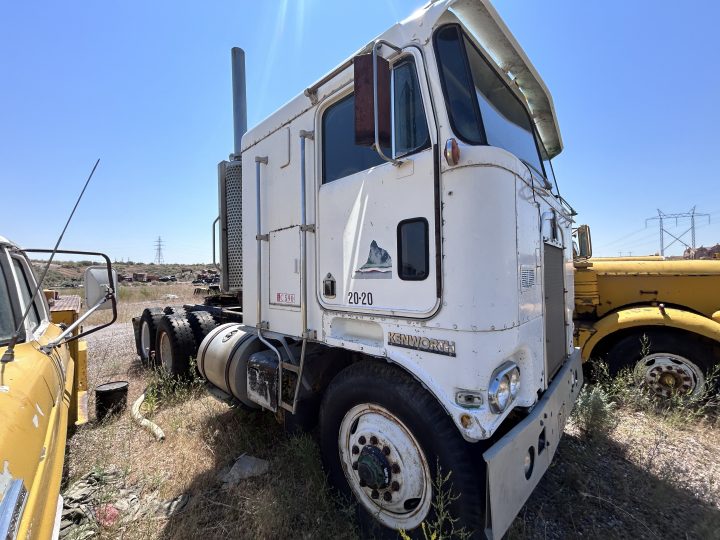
{"x":239,"y":99}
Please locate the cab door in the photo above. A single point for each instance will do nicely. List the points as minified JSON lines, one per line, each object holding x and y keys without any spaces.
{"x":376,"y":221}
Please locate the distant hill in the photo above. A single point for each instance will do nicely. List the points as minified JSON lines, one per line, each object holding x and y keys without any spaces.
{"x":70,"y":273}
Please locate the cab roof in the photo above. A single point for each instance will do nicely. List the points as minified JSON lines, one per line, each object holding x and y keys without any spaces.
{"x":4,"y":242}
{"x":484,"y":23}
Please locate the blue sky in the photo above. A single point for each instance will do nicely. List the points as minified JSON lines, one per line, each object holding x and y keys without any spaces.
{"x":145,"y":86}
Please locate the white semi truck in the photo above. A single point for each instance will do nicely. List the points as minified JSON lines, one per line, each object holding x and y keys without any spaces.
{"x":397,"y":268}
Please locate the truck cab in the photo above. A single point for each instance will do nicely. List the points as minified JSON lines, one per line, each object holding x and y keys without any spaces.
{"x":397,"y":267}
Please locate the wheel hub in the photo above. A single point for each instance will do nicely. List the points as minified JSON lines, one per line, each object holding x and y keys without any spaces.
{"x":666,"y":374}
{"x":385,"y":466}
{"x":145,"y":337}
{"x":373,"y":468}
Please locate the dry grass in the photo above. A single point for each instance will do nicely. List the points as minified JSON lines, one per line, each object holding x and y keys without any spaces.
{"x":203,"y":437}
{"x":647,"y":475}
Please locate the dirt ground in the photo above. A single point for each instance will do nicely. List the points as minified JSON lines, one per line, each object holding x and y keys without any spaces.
{"x":648,"y":479}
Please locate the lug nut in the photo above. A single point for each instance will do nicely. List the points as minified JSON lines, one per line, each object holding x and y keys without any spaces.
{"x":355,"y":450}
{"x":362,"y":439}
{"x":374,"y":494}
{"x":386,"y":450}
{"x":395,"y":468}
{"x":362,"y":483}
{"x":395,"y":486}
{"x":387,"y":496}
{"x":373,"y":440}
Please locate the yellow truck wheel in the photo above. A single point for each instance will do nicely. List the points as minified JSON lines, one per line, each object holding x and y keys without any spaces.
{"x":666,"y":362}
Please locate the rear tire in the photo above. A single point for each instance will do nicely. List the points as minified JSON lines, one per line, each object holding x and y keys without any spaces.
{"x":670,"y":362}
{"x":382,"y":437}
{"x":175,"y":345}
{"x":145,"y":338}
{"x":201,"y":323}
{"x":174,"y":310}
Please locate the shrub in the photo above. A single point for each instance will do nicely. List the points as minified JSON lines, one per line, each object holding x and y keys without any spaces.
{"x":594,"y":412}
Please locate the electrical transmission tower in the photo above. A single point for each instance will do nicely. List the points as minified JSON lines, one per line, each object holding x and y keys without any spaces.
{"x":158,"y":251}
{"x":662,"y":216}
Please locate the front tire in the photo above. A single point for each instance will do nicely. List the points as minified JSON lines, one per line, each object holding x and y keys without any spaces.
{"x":382,"y":438}
{"x":666,"y":362}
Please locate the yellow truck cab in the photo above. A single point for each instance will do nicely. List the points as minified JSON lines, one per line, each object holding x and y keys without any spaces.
{"x":43,"y":391}
{"x":659,"y":317}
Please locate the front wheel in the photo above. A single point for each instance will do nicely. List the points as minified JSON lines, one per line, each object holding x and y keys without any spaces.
{"x":665,"y":362}
{"x":382,"y":439}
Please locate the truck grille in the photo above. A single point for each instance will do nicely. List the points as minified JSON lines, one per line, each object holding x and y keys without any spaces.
{"x":554,"y":275}
{"x":233,"y":222}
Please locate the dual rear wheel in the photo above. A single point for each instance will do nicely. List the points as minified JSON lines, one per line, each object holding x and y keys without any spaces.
{"x":169,"y":337}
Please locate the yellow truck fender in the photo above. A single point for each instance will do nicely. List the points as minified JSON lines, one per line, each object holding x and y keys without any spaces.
{"x":648,"y":316}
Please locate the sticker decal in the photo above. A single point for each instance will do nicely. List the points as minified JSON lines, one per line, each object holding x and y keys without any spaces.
{"x":378,"y":265}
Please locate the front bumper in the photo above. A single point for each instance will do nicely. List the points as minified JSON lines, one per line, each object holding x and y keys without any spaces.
{"x":508,"y":483}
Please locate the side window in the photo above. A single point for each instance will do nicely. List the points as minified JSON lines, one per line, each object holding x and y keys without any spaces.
{"x":7,"y":319}
{"x":413,"y":249}
{"x":342,"y":157}
{"x":410,"y":130}
{"x":26,"y":291}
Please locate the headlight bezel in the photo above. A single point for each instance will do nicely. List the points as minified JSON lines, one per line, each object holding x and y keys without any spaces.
{"x":504,"y":380}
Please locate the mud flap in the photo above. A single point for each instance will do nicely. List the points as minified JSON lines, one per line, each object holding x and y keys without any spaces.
{"x":517,"y":462}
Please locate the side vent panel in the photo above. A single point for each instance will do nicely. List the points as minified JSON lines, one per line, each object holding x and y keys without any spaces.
{"x":231,"y":225}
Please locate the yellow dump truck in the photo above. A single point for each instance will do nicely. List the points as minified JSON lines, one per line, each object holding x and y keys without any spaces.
{"x":43,"y":387}
{"x":659,"y":317}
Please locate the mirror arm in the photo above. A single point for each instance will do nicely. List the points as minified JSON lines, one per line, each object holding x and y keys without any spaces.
{"x":58,"y":340}
{"x":379,"y":43}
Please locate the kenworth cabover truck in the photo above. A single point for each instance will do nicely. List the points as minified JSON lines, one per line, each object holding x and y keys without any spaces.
{"x":43,"y":387}
{"x":660,"y":318}
{"x":397,"y":266}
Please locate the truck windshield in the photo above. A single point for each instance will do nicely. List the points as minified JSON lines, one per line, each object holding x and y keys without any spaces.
{"x":6,"y":314}
{"x":483,"y":109}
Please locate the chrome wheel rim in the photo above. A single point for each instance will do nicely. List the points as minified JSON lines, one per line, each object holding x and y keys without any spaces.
{"x":666,"y":374}
{"x":385,"y":466}
{"x":145,"y":338}
{"x":165,"y":351}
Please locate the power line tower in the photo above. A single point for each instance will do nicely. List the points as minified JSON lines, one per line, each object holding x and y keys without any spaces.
{"x":662,"y":216}
{"x":158,"y":251}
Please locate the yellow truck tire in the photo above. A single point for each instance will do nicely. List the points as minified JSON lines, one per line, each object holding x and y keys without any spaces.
{"x":665,"y":360}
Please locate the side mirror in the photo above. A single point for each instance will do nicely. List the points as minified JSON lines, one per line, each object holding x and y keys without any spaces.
{"x":365,"y":91}
{"x":584,"y":242}
{"x":97,"y":283}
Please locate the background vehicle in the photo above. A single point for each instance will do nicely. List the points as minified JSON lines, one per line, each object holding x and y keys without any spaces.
{"x":43,"y":388}
{"x":660,"y":318}
{"x":396,"y":265}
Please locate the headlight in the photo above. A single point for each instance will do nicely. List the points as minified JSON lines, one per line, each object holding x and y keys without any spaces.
{"x":504,"y":387}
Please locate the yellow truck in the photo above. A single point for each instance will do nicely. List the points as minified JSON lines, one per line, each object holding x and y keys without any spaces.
{"x":43,"y":387}
{"x":660,"y":318}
